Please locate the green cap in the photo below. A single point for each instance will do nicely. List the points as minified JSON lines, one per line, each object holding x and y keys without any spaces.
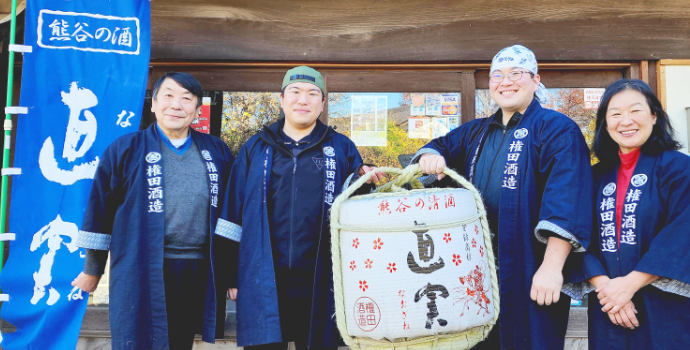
{"x":304,"y":74}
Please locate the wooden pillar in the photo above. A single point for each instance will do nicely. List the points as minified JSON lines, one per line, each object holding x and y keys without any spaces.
{"x":652,"y":72}
{"x":632,"y":72}
{"x":661,"y":83}
{"x":216,"y":112}
{"x":644,"y":71}
{"x":468,"y":89}
{"x":324,"y":115}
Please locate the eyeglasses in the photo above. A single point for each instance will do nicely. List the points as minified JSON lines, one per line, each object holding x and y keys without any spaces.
{"x":513,"y":76}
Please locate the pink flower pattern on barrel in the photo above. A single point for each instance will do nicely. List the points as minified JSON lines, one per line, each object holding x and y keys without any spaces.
{"x":378,"y":243}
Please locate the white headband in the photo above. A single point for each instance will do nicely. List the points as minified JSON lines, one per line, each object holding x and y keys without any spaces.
{"x":518,"y":56}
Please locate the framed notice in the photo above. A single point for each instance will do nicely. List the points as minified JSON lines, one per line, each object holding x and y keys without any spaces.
{"x":418,"y":106}
{"x":450,"y":104}
{"x":439,"y":127}
{"x":369,"y":120}
{"x":453,"y":123}
{"x":593,"y":97}
{"x":419,"y":127}
{"x":433,"y":104}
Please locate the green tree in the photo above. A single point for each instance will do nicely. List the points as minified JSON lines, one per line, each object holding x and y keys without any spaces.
{"x":245,"y":114}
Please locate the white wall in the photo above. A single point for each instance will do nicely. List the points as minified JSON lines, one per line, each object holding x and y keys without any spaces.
{"x":677,"y":100}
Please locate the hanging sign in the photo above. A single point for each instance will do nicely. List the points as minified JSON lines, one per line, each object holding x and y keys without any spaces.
{"x":83,"y":84}
{"x":203,"y":122}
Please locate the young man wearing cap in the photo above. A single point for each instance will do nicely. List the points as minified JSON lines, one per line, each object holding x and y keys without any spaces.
{"x":283,"y":184}
{"x":153,"y":204}
{"x":532,"y":167}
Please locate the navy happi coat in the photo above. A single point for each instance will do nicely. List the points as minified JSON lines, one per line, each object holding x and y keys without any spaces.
{"x":546,"y":179}
{"x":124,"y":215}
{"x":654,"y":238}
{"x":244,"y":219}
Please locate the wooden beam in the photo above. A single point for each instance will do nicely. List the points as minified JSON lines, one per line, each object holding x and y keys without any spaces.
{"x":675,"y":62}
{"x":339,"y":81}
{"x":229,"y":80}
{"x":417,"y":30}
{"x":186,"y":65}
{"x":565,"y":78}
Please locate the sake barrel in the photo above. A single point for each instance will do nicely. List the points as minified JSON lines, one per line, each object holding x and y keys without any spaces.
{"x":414,"y":267}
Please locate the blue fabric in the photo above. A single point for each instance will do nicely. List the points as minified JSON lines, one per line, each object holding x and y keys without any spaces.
{"x":246,"y":206}
{"x":296,"y":184}
{"x":185,"y":294}
{"x":81,"y":93}
{"x":661,"y":248}
{"x":488,"y":177}
{"x":121,"y":204}
{"x":552,"y":181}
{"x":166,"y":141}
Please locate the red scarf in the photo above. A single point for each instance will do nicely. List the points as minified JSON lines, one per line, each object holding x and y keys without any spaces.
{"x":625,"y":172}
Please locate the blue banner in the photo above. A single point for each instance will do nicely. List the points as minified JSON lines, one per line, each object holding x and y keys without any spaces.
{"x":84,"y":86}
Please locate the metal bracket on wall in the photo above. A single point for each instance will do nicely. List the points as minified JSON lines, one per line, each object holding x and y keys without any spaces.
{"x":21,"y":48}
{"x":16,"y":110}
{"x":11,"y":171}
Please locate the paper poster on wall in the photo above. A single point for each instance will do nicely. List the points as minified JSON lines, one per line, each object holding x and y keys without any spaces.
{"x":592,"y":98}
{"x":433,"y":104}
{"x":369,"y":120}
{"x":203,"y":122}
{"x":419,"y":127}
{"x":453,"y":123}
{"x":450,"y":104}
{"x":417,"y":107}
{"x":439,"y":127}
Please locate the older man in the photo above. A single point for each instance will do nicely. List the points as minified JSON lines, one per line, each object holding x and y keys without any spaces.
{"x":276,"y":213}
{"x":532,"y":167}
{"x":153,"y":205}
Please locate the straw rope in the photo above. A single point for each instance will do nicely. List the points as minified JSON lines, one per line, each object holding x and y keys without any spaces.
{"x":460,"y":340}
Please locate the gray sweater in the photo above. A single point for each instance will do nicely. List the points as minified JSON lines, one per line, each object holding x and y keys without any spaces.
{"x":186,"y":205}
{"x":186,"y":202}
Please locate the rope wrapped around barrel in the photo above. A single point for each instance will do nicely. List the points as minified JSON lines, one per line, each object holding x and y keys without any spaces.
{"x":409,"y":175}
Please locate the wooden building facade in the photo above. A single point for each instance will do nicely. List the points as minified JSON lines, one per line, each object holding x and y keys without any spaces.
{"x":411,"y":46}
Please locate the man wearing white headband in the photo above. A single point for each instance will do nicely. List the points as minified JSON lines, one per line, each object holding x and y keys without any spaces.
{"x":531,"y":165}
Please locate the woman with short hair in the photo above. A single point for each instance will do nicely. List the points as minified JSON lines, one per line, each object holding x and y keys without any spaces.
{"x":637,"y":267}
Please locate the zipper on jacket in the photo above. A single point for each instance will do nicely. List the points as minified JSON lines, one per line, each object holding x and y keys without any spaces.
{"x":292,"y":210}
{"x":292,"y":192}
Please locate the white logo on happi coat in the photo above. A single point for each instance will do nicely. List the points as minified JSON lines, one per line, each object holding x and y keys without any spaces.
{"x":206,"y":154}
{"x":521,"y":133}
{"x":609,"y":189}
{"x":80,"y":136}
{"x":153,"y":157}
{"x":639,"y":180}
{"x":329,"y":151}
